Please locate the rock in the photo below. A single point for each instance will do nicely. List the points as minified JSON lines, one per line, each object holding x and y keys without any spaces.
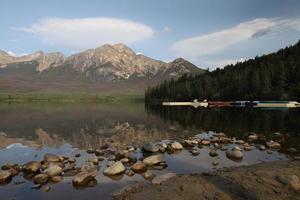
{"x":215,"y":163}
{"x":13,"y":171}
{"x":114,"y":169}
{"x":159,"y":179}
{"x":129,"y":173}
{"x":90,"y":150}
{"x":124,"y":160}
{"x":234,"y":154}
{"x":110,"y":163}
{"x":47,"y":188}
{"x":262,"y":147}
{"x":71,"y":160}
{"x":213,"y":153}
{"x":239,"y":142}
{"x":40,"y":179}
{"x":130,"y":148}
{"x":88,"y":166}
{"x":32,"y":166}
{"x":205,"y":142}
{"x":51,"y":158}
{"x":53,"y":171}
{"x":252,"y":137}
{"x":150,"y":147}
{"x":248,"y":147}
{"x":4,"y":176}
{"x":8,"y":166}
{"x":273,"y":145}
{"x":195,"y":152}
{"x":217,"y":145}
{"x":83,"y":178}
{"x":99,"y":152}
{"x":190,"y":142}
{"x":236,"y":148}
{"x":292,"y":150}
{"x":77,"y":155}
{"x":154,"y":159}
{"x":56,"y":179}
{"x":290,"y":180}
{"x":36,"y":186}
{"x":94,"y":160}
{"x":176,"y":146}
{"x":148,"y":175}
{"x":139,"y":167}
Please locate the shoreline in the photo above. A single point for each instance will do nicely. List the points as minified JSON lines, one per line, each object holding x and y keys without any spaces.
{"x":270,"y":180}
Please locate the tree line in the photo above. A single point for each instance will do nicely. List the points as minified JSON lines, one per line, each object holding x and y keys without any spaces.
{"x":275,"y":76}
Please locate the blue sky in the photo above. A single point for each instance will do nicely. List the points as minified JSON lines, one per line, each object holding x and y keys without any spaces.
{"x":210,"y":33}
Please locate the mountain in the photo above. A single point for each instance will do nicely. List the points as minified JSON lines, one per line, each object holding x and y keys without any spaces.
{"x":275,"y":76}
{"x":108,"y":66}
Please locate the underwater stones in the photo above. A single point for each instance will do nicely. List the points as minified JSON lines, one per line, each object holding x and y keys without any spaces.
{"x":161,"y":178}
{"x":234,"y":154}
{"x":176,"y":146}
{"x":53,"y":170}
{"x":40,"y":179}
{"x":213,"y":153}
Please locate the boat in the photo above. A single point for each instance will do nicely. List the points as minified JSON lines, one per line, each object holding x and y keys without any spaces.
{"x":194,"y":103}
{"x":276,"y":104}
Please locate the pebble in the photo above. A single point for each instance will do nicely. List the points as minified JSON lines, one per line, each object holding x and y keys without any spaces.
{"x":161,"y":178}
{"x":154,"y":159}
{"x":176,"y":146}
{"x":114,"y":169}
{"x":4,"y":176}
{"x":213,"y":153}
{"x":139,"y":167}
{"x":148,"y":175}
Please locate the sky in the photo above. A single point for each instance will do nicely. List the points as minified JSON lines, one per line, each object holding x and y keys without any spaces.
{"x":209,"y":33}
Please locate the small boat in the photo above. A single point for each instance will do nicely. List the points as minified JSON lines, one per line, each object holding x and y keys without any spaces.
{"x":194,"y":103}
{"x":276,"y":104}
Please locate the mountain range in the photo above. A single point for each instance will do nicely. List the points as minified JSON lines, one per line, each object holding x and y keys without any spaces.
{"x":106,"y":68}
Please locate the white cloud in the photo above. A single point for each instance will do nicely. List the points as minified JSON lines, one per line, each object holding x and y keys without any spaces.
{"x":167,"y":29}
{"x":83,"y":33}
{"x":209,"y":44}
{"x":11,"y":53}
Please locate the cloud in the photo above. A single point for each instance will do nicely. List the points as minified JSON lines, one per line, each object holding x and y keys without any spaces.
{"x":209,"y":44}
{"x":167,"y":29}
{"x":11,"y":53}
{"x":82,"y":33}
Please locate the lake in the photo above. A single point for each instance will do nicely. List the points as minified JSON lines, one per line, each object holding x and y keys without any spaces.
{"x":30,"y":130}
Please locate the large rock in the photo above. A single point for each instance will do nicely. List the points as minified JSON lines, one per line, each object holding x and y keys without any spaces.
{"x":159,"y":179}
{"x":139,"y":167}
{"x":32,"y":166}
{"x":273,"y":145}
{"x":176,"y":146}
{"x":290,"y":180}
{"x":154,"y":159}
{"x":83,"y":178}
{"x":41,"y":179}
{"x":53,"y":170}
{"x":51,"y":158}
{"x":150,"y":147}
{"x":234,"y":154}
{"x":114,"y":169}
{"x":4,"y":176}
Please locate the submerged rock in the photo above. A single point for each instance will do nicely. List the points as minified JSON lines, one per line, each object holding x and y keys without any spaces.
{"x":4,"y":176}
{"x":148,"y":175}
{"x":159,"y":179}
{"x":8,"y":166}
{"x":154,"y":159}
{"x":83,"y":178}
{"x":213,"y":153}
{"x":114,"y":169}
{"x":56,"y":179}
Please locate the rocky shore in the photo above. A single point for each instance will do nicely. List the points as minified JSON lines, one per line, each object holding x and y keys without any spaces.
{"x":142,"y":160}
{"x":266,"y":181}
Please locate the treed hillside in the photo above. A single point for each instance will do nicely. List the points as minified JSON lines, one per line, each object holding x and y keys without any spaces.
{"x":274,"y":76}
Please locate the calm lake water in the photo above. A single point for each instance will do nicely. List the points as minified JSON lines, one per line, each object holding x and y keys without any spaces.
{"x":28,"y":131}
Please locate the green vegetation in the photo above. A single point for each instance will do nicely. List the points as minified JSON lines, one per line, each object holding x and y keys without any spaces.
{"x":269,"y":77}
{"x":69,"y":97}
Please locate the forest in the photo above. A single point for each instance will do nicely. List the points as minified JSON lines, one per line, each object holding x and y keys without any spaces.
{"x":275,"y":76}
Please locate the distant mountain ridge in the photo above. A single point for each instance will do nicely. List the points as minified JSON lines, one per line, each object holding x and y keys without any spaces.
{"x":107,"y":64}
